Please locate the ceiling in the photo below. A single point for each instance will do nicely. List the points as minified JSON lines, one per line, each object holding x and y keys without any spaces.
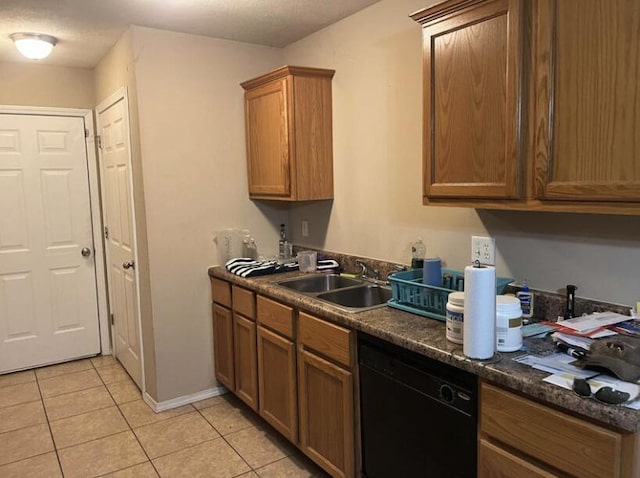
{"x":87,"y":29}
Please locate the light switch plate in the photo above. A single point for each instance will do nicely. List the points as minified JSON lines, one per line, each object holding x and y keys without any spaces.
{"x":483,"y":249}
{"x":305,"y":228}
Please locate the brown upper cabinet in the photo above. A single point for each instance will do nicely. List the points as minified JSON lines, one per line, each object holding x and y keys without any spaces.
{"x":471,"y":92}
{"x":289,"y":134}
{"x":532,"y":105}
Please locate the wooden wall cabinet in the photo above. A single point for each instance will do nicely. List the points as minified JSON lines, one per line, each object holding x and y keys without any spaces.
{"x":288,"y":121}
{"x":472,"y":78}
{"x":519,"y":437}
{"x":532,"y":105}
{"x":587,"y":95}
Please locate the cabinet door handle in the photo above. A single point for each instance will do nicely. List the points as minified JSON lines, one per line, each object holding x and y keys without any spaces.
{"x":129,"y":265}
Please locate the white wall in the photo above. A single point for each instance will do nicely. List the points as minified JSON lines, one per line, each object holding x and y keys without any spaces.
{"x":378,"y":211}
{"x":33,"y":84}
{"x":191,"y":116}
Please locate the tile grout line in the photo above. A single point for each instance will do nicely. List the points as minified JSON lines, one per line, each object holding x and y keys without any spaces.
{"x":127,"y":422}
{"x":46,"y":416}
{"x":256,"y":426}
{"x":225,"y":440}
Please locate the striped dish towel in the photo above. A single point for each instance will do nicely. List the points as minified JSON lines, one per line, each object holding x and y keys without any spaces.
{"x":247,"y":267}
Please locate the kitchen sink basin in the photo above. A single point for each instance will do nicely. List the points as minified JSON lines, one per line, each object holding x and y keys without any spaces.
{"x":319,"y":283}
{"x":351,"y":295}
{"x":361,"y":297}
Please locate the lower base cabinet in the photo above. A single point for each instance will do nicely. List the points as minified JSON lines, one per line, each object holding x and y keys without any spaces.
{"x":326,"y":413}
{"x":277,"y":382}
{"x":244,"y":332}
{"x":520,"y":437}
{"x":495,"y":462}
{"x":223,"y":346}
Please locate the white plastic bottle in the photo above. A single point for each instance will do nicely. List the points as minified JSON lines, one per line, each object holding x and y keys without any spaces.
{"x":455,"y":318}
{"x":508,"y":323}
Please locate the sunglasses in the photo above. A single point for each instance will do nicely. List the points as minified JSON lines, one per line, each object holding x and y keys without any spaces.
{"x":607,"y":395}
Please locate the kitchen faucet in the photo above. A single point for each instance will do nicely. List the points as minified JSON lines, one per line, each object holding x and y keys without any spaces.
{"x":364,"y":274}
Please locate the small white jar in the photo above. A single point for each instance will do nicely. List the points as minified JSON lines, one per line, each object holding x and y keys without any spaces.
{"x":455,"y":317}
{"x":508,"y":323}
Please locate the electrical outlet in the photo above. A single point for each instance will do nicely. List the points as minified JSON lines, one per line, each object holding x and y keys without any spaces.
{"x":483,"y":249}
{"x":305,"y":228}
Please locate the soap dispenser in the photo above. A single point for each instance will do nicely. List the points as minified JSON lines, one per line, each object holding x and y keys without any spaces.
{"x":282,"y":243}
{"x":418,"y":252}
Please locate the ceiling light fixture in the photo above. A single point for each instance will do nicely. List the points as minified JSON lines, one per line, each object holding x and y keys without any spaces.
{"x":35,"y":46}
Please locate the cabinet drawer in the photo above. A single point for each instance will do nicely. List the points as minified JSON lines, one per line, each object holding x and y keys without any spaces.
{"x":221,"y":292}
{"x":276,"y":316}
{"x":324,"y":337}
{"x":244,"y":302}
{"x":567,"y":443}
{"x":495,"y":462}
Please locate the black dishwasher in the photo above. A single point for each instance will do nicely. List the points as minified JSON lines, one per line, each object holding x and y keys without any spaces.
{"x":418,"y":415}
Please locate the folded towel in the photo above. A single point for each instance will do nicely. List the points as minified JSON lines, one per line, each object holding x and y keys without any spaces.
{"x":247,"y":267}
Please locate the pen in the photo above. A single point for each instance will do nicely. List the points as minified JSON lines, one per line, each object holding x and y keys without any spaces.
{"x":571,"y":351}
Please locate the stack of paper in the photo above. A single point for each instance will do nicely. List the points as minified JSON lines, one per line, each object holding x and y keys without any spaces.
{"x":593,"y":325}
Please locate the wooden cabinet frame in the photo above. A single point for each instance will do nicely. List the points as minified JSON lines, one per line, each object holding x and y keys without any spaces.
{"x":223,"y":346}
{"x":297,"y":370}
{"x":244,"y":339}
{"x":438,"y":163}
{"x":523,"y":432}
{"x":574,"y":108}
{"x":282,"y":414}
{"x":288,"y":122}
{"x":317,"y":442}
{"x":561,"y":172}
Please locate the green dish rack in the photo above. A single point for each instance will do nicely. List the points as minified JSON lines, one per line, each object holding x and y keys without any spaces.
{"x":411,"y":295}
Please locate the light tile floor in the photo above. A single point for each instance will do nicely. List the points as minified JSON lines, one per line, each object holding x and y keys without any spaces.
{"x":86,"y":419}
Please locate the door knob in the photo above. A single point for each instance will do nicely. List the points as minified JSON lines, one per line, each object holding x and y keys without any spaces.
{"x":129,"y":265}
{"x":86,"y":252}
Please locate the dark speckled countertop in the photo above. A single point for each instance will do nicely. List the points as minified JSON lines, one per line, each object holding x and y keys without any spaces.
{"x":427,"y":337}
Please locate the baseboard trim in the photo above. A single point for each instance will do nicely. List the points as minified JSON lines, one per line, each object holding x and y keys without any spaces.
{"x":183,"y":400}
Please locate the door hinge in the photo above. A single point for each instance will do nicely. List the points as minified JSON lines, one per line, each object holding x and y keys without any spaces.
{"x":111,"y":319}
{"x":86,"y":133}
{"x":106,"y":232}
{"x":99,"y":141}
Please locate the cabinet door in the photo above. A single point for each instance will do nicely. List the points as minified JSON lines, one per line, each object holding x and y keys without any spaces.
{"x":223,"y":346}
{"x":472,"y":91}
{"x":277,"y":382}
{"x":564,"y":442}
{"x":495,"y":462}
{"x":267,"y":130}
{"x":587,"y":145}
{"x":246,"y":360}
{"x":325,"y":394}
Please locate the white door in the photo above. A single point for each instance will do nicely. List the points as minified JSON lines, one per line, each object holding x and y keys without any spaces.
{"x":113,"y":127}
{"x":48,"y":297}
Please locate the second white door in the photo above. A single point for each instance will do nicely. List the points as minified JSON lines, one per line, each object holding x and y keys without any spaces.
{"x":113,"y":127}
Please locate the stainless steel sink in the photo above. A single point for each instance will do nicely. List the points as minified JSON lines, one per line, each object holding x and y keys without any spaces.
{"x":319,"y":283}
{"x":358,"y":298}
{"x":351,"y":295}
